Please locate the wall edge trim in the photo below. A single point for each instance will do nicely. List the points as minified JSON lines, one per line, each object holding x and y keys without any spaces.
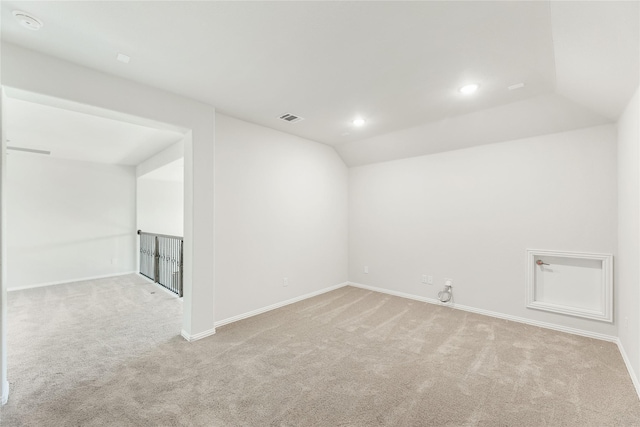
{"x":5,"y":393}
{"x":627,"y":362}
{"x":62,"y":282}
{"x":198,"y":336}
{"x":278,"y":305}
{"x":573,"y":331}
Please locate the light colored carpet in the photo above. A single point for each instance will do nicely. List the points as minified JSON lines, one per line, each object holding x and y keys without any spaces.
{"x":107,"y":352}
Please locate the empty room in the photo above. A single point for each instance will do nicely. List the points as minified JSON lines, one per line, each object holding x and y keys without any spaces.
{"x":421,"y":213}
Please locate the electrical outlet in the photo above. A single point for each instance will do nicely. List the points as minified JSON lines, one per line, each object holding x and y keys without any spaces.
{"x":285,"y":282}
{"x":366,"y":269}
{"x":427,"y":280}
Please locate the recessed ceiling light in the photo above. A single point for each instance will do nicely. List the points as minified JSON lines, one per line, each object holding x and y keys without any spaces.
{"x":358,"y":122}
{"x":27,"y":21}
{"x":123,"y":58}
{"x":469,"y":89}
{"x":515,"y":86}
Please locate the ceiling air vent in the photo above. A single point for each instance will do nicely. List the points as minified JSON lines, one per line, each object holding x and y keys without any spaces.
{"x":290,"y":118}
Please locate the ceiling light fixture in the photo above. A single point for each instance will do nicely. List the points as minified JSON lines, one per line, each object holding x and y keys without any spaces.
{"x":358,"y":122}
{"x":27,"y":21}
{"x":123,"y":58}
{"x":515,"y":86}
{"x":469,"y":89}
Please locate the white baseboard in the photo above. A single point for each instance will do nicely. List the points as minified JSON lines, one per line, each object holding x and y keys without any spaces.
{"x":226,"y":321}
{"x":396,"y":293}
{"x":62,"y":282}
{"x":198,"y":336}
{"x":498,"y":315}
{"x":5,"y":393}
{"x":560,"y":328}
{"x":627,"y":362}
{"x":277,"y":305}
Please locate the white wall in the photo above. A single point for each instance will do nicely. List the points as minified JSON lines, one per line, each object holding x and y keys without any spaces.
{"x":4,"y":382}
{"x":470,"y":214}
{"x":29,"y":72}
{"x":68,"y":220}
{"x":627,"y":263}
{"x":160,"y":206}
{"x":281,"y":211}
{"x":159,"y":160}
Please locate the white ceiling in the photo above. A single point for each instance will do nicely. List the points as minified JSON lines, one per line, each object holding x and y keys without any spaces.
{"x":397,"y":64}
{"x":77,"y":136}
{"x":596,"y":46}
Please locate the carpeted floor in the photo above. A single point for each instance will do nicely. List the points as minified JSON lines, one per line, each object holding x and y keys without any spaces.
{"x":108,"y":352}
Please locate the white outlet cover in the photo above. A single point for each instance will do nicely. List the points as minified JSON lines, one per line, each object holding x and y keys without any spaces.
{"x":123,"y":58}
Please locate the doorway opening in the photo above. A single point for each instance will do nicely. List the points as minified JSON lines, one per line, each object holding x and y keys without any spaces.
{"x":160,"y":220}
{"x":72,"y":192}
{"x":69,"y":199}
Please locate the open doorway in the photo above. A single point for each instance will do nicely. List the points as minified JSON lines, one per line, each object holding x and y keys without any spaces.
{"x":31,"y":76}
{"x":71,"y":193}
{"x":71,"y":204}
{"x":160,"y":219}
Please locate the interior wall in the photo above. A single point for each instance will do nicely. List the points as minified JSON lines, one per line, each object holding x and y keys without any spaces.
{"x":627,"y":263}
{"x":26,"y":72}
{"x":469,"y":215}
{"x":281,"y":211}
{"x":4,"y":382}
{"x":168,"y":155}
{"x":68,"y":220}
{"x":160,"y":206}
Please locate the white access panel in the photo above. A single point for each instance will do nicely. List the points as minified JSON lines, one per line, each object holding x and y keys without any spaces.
{"x":573,"y":283}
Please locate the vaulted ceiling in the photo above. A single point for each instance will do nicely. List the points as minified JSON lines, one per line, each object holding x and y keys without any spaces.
{"x":396,"y":64}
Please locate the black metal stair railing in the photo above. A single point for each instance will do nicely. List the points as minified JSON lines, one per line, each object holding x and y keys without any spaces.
{"x":161,"y":259}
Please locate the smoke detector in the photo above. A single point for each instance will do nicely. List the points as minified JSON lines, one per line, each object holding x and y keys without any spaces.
{"x":27,"y":21}
{"x":291,"y":118}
